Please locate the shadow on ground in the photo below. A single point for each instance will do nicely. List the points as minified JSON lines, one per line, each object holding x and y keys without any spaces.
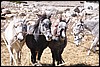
{"x":80,"y":65}
{"x":69,"y":65}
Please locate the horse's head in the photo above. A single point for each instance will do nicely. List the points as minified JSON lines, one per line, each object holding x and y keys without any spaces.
{"x":78,"y":31}
{"x":61,"y":30}
{"x":20,"y":30}
{"x":24,"y":29}
{"x":45,"y":29}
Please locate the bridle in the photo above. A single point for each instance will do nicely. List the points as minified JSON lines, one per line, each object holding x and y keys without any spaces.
{"x":58,"y":31}
{"x":23,"y":31}
{"x":43,"y":31}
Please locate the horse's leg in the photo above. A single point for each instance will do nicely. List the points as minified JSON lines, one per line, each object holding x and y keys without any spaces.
{"x":61,"y":54}
{"x":58,"y":57}
{"x":19,"y":57}
{"x":93,"y":44}
{"x":39,"y":56}
{"x":33,"y":56}
{"x":11,"y":59}
{"x":94,"y":47}
{"x":53,"y":56}
{"x":62,"y":60}
{"x":59,"y":61}
{"x":10,"y":49}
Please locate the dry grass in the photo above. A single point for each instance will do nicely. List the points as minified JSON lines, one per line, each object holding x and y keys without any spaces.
{"x":72,"y":55}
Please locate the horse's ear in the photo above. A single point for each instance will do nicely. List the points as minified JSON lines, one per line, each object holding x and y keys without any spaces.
{"x":68,"y":20}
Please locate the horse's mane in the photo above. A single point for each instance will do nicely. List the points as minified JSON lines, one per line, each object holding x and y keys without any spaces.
{"x":39,"y":21}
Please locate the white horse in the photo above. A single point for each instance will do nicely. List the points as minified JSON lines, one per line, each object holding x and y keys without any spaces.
{"x":14,"y":36}
{"x":92,"y":26}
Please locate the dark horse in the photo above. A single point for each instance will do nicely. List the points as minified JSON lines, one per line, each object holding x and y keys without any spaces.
{"x":59,"y":42}
{"x":38,"y":41}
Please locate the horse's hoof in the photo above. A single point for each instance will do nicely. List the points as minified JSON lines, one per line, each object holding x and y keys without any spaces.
{"x":36,"y":64}
{"x":61,"y":64}
{"x":19,"y":64}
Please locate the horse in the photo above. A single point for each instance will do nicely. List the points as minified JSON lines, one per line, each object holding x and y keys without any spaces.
{"x":91,"y":25}
{"x":14,"y":37}
{"x":58,"y":42}
{"x":38,"y":39}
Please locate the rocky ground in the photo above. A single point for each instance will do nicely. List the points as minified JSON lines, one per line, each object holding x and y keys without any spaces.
{"x":72,"y":55}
